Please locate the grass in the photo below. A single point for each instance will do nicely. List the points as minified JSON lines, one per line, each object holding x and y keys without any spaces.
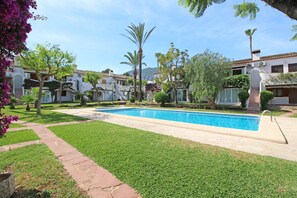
{"x":38,"y":173}
{"x":162,"y":166}
{"x":294,"y":116}
{"x":18,"y":137}
{"x":47,"y":117}
{"x":15,"y":125}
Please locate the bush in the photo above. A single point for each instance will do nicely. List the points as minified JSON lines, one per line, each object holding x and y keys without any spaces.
{"x":161,"y":97}
{"x":132,"y":99}
{"x":265,"y":97}
{"x":243,"y":96}
{"x":241,"y":81}
{"x":12,"y":103}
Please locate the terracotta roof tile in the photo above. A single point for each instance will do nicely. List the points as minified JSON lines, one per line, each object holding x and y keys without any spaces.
{"x":243,"y":62}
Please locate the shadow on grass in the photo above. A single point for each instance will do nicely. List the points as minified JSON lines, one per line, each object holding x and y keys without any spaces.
{"x":47,"y":116}
{"x":19,"y":193}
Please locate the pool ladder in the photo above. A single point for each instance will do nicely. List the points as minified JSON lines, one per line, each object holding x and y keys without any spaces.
{"x":267,"y":111}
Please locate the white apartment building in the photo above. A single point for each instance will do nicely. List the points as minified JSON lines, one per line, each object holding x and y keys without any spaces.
{"x":261,"y":69}
{"x":112,"y":86}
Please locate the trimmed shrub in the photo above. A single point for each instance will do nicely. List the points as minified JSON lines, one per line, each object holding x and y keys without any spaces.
{"x":241,"y":81}
{"x":161,"y":97}
{"x":132,"y":99}
{"x":243,"y":96}
{"x":265,"y":97}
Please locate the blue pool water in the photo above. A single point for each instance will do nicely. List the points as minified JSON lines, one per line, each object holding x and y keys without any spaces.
{"x":250,"y":123}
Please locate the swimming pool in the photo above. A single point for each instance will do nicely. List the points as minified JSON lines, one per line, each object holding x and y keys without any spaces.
{"x":250,"y":123}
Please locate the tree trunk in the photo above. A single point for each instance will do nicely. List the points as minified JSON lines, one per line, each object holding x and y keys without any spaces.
{"x":175,"y":90}
{"x":60,"y":92}
{"x":98,"y":95}
{"x":251,"y":47}
{"x":28,"y":107}
{"x":135,"y":79}
{"x":140,"y":74}
{"x":288,"y":7}
{"x":38,"y":111}
{"x":212,"y":103}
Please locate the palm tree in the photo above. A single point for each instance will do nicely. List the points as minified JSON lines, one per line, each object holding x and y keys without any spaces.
{"x":249,"y":33}
{"x":133,"y":60}
{"x":138,"y":36}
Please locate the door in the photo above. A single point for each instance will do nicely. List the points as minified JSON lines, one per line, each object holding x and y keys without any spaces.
{"x":293,"y":96}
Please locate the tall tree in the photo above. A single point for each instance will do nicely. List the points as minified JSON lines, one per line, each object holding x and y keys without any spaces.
{"x":133,"y":60}
{"x":250,"y":33}
{"x":245,"y":9}
{"x":14,"y":28}
{"x":294,"y":29}
{"x":106,"y":71}
{"x":138,"y":36}
{"x":46,"y":60}
{"x":93,"y":78}
{"x":171,"y":69}
{"x":206,"y":72}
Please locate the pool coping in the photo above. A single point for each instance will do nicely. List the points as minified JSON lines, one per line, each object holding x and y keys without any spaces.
{"x":268,"y":131}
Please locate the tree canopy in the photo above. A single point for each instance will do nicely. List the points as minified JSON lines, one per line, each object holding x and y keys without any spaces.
{"x":206,"y":73}
{"x":93,"y":78}
{"x":106,"y":71}
{"x":171,"y":68}
{"x":14,"y":29}
{"x":46,"y":60}
{"x":244,"y":9}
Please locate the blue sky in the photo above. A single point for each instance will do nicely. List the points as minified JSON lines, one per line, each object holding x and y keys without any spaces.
{"x":91,"y":30}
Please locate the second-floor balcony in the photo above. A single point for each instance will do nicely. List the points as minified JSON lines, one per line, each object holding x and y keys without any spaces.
{"x":279,"y":78}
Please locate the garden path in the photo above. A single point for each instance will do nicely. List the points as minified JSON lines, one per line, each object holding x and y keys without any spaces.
{"x":90,"y":177}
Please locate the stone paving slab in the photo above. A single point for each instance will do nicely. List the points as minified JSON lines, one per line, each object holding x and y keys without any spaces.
{"x":17,"y":129}
{"x":18,"y":145}
{"x":90,"y":177}
{"x":283,"y":151}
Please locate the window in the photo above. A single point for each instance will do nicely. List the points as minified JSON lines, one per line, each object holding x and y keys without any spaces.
{"x":293,"y":67}
{"x":280,"y":92}
{"x":277,"y":69}
{"x":236,"y":72}
{"x":103,"y":81}
{"x":64,"y":93}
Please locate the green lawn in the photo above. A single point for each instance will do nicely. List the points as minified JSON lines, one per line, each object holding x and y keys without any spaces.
{"x":163,"y":166}
{"x":38,"y":173}
{"x":18,"y":136}
{"x":15,"y":125}
{"x":47,"y":117}
{"x":294,"y":116}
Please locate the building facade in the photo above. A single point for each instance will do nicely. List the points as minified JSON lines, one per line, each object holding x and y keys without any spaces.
{"x":112,"y":86}
{"x":262,"y":71}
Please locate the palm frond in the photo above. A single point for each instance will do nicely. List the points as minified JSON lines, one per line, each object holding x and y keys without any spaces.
{"x":198,"y":7}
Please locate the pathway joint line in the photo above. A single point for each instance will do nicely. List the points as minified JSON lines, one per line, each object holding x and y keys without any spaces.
{"x":89,"y":176}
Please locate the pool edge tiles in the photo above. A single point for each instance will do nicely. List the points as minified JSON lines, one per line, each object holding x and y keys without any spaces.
{"x":268,"y":131}
{"x":229,"y":121}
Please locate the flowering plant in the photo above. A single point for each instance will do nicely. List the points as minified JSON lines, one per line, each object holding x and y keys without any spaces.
{"x":14,"y":28}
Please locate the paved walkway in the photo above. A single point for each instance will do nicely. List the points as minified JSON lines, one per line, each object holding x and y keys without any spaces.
{"x":289,"y":114}
{"x":90,"y":177}
{"x":17,"y":145}
{"x":283,"y":151}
